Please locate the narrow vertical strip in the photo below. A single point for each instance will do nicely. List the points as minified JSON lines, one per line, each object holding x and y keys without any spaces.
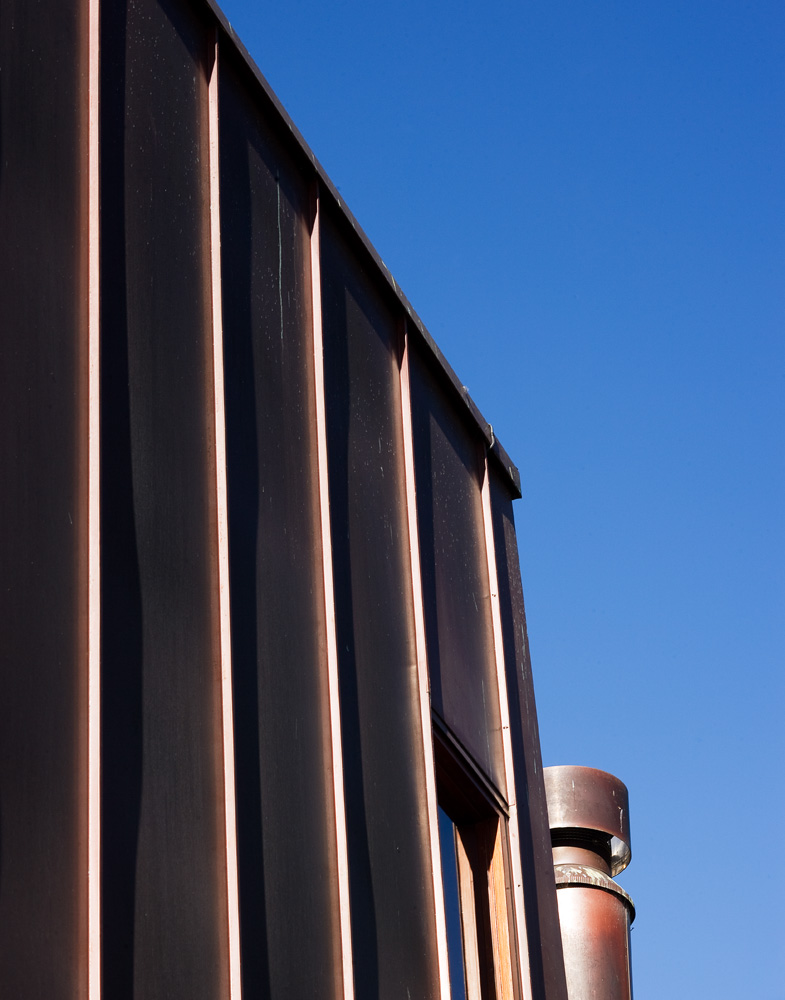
{"x":422,"y":672}
{"x":227,"y":715}
{"x":514,"y":835}
{"x":329,"y":602}
{"x":93,"y":516}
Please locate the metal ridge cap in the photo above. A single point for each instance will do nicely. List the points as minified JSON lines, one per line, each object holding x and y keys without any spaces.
{"x":494,"y":445}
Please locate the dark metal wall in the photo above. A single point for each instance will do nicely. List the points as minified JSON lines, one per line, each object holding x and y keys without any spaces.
{"x":286,"y":817}
{"x":546,"y":962}
{"x":449,"y":466}
{"x":163,"y":898}
{"x":43,"y":420}
{"x":304,"y":553}
{"x":391,"y":889}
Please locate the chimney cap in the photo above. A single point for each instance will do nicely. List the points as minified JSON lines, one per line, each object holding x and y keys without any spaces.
{"x":583,"y":798}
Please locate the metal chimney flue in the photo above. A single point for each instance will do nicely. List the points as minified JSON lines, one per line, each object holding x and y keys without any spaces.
{"x":590,"y":832}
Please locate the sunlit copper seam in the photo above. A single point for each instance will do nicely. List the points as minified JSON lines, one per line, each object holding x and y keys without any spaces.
{"x":514,"y":835}
{"x":422,"y":673}
{"x":93,"y":515}
{"x":329,"y":603}
{"x":225,"y":639}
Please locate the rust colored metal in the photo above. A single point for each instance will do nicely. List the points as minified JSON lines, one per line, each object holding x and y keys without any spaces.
{"x":590,"y":832}
{"x":262,"y":608}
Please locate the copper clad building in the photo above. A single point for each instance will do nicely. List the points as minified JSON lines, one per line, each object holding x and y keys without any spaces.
{"x":267,"y":726}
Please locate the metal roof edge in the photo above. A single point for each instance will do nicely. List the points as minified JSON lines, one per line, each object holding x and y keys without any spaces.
{"x":494,"y":445}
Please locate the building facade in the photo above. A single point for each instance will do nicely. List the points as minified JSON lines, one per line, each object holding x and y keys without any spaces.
{"x":267,"y":725}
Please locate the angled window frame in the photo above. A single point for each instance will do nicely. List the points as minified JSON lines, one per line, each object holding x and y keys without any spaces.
{"x":478,"y":815}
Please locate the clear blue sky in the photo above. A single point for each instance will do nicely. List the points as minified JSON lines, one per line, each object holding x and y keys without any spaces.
{"x":585,"y":202}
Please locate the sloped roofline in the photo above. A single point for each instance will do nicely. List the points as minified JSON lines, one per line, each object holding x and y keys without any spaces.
{"x":448,"y":375}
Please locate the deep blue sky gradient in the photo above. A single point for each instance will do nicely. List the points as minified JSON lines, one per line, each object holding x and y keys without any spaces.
{"x":585,"y":202}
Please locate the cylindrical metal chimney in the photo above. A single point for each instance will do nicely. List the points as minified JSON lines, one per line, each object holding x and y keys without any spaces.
{"x":590,"y":833}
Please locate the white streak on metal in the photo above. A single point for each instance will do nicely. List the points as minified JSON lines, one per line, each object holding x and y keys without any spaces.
{"x":422,"y":675}
{"x":224,"y":611}
{"x":329,"y":607}
{"x":504,"y":707}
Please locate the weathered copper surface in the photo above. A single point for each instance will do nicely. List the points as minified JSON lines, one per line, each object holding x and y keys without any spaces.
{"x":590,"y":830}
{"x":225,"y":626}
{"x":595,"y":927}
{"x":587,"y":799}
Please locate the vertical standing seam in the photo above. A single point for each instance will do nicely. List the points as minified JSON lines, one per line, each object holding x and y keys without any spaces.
{"x":514,"y":835}
{"x":222,"y":517}
{"x":93,"y":512}
{"x":329,"y":606}
{"x":422,"y":672}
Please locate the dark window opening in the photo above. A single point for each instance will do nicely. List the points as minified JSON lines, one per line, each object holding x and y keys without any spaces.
{"x":448,"y":836}
{"x":476,"y":880}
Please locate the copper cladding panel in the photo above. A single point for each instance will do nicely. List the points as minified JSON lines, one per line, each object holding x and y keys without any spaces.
{"x":546,"y":966}
{"x":203,"y":575}
{"x":393,"y":918}
{"x":286,"y":816}
{"x":43,"y":500}
{"x":453,"y":560}
{"x":164,"y":866}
